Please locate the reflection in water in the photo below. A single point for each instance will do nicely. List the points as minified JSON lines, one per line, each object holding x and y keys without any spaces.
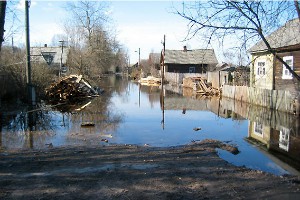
{"x":22,"y":129}
{"x":61,"y":125}
{"x":277,"y":130}
{"x":129,"y":113}
{"x":162,"y":103}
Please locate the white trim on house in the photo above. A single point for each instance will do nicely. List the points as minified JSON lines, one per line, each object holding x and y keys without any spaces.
{"x":258,"y":129}
{"x":284,"y":138}
{"x":261,"y":68}
{"x":286,"y":74}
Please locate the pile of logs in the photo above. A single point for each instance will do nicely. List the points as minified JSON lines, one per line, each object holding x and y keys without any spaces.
{"x":71,"y":88}
{"x":201,"y":86}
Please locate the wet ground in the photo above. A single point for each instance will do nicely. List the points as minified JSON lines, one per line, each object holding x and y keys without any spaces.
{"x":131,"y":172}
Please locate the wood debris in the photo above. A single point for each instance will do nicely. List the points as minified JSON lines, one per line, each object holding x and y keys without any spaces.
{"x":70,"y":88}
{"x":201,"y":86}
{"x":150,"y":80}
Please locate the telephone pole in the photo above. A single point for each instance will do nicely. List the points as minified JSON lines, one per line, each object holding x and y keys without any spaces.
{"x":28,"y":64}
{"x":62,"y":51}
{"x":162,"y":83}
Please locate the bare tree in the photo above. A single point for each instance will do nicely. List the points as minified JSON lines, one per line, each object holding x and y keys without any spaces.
{"x":94,"y":48}
{"x":55,"y":41}
{"x":296,"y":3}
{"x":247,"y":21}
{"x":86,"y":18}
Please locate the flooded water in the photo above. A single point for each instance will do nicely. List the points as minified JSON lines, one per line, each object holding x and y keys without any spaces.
{"x":129,"y":113}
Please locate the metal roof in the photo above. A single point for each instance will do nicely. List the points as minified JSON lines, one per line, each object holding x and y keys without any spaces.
{"x":287,"y":35}
{"x":196,"y":56}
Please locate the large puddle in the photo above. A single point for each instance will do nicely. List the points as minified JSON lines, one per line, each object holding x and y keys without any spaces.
{"x":129,"y":113}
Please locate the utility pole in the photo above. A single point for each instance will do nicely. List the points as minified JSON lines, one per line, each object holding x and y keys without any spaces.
{"x":162,"y":83}
{"x":28,"y":66}
{"x":139,"y":57}
{"x":163,"y":62}
{"x":139,"y":51}
{"x":62,"y":51}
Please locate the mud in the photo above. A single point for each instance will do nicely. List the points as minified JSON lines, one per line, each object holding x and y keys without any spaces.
{"x":132,"y":172}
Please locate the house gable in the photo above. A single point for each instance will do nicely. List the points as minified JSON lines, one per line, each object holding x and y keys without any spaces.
{"x":50,"y":55}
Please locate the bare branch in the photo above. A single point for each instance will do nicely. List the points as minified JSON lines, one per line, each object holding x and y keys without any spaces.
{"x":243,"y":19}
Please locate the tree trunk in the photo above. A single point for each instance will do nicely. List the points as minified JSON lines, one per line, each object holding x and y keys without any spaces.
{"x":297,"y":8}
{"x":2,"y":20}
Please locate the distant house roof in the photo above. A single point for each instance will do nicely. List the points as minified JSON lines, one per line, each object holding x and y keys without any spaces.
{"x":50,"y":55}
{"x":221,"y":65}
{"x":195,"y":56}
{"x":287,"y":35}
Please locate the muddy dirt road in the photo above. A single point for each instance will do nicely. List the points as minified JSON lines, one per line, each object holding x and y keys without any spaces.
{"x":130,"y":172}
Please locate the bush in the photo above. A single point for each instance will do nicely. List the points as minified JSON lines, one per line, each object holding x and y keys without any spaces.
{"x":13,"y":74}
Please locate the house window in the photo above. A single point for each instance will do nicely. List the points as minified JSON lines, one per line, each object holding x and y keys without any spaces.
{"x":261,"y":68}
{"x":286,"y":74}
{"x":258,"y":129}
{"x":191,"y":69}
{"x":284,"y":138}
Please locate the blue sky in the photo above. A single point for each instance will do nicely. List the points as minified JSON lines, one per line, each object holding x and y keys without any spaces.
{"x":138,"y":24}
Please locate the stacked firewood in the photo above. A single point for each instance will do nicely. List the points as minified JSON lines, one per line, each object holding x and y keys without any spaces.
{"x":70,"y":88}
{"x":201,"y":86}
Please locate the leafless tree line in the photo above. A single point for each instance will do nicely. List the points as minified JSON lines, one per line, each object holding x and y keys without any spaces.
{"x":94,"y":49}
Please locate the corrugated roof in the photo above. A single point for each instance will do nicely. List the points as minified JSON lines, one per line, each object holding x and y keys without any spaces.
{"x":38,"y":54}
{"x":196,"y":56}
{"x":287,"y":35}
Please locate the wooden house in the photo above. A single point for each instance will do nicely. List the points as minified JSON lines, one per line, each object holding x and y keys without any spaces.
{"x":184,"y":63}
{"x":267,"y":72}
{"x":54,"y":57}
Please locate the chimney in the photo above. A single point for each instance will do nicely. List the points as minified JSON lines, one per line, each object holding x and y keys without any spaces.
{"x":184,"y":49}
{"x":45,"y":45}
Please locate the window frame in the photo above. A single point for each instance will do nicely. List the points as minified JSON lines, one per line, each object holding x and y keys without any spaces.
{"x":284,"y":69}
{"x":284,"y":138}
{"x":192,"y":70}
{"x":261,"y":70}
{"x":258,"y":129}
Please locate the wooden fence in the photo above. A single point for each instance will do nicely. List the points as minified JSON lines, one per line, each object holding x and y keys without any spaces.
{"x":177,"y":78}
{"x":273,"y":99}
